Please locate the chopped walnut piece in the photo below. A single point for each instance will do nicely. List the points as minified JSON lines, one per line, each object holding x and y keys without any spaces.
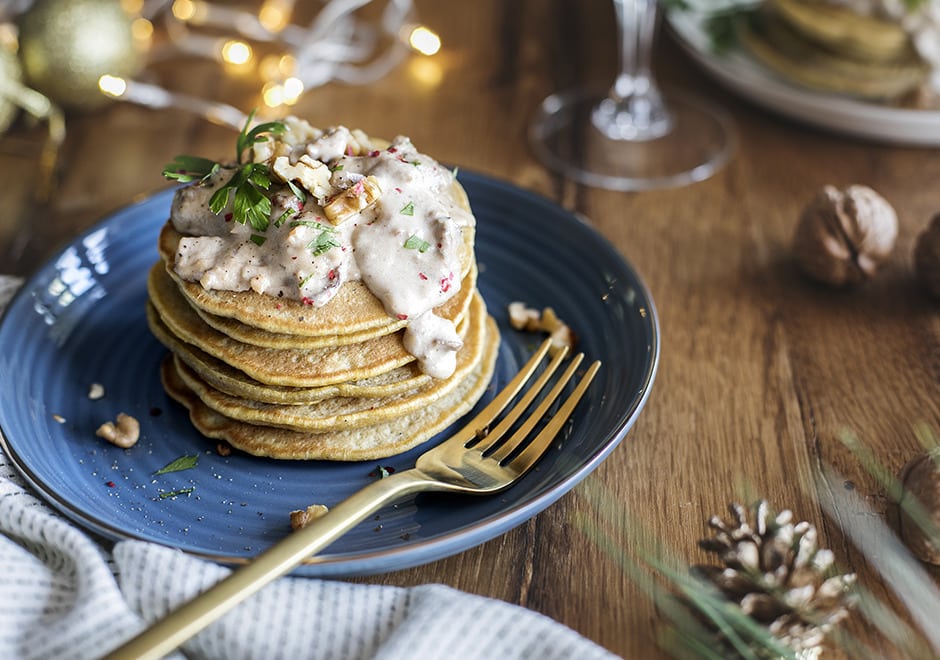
{"x":359,"y":142}
{"x":353,"y":200}
{"x":302,"y":518}
{"x":526,"y":318}
{"x":124,"y":433}
{"x":95,"y":391}
{"x":223,"y":449}
{"x":267,"y":151}
{"x":309,"y":172}
{"x":562,"y":337}
{"x":298,"y":131}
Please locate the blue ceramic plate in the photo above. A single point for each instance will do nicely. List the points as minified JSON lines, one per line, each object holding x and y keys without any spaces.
{"x":80,"y":320}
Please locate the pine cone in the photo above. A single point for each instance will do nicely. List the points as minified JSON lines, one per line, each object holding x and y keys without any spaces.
{"x":778,"y":576}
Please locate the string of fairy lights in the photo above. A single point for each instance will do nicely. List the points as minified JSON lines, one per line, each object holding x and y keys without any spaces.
{"x":342,"y":42}
{"x":336,"y":46}
{"x":59,"y":56}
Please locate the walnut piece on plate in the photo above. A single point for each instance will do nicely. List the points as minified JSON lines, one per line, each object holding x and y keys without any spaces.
{"x":123,"y":432}
{"x":522,"y":317}
{"x":303,"y":517}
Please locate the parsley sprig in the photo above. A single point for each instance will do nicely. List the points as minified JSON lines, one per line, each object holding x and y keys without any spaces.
{"x":247,"y":188}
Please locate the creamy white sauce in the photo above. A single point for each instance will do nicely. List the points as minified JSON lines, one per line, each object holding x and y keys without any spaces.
{"x":435,"y":342}
{"x":405,"y":245}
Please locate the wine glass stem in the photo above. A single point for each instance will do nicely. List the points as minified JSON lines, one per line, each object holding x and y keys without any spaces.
{"x":634,"y":108}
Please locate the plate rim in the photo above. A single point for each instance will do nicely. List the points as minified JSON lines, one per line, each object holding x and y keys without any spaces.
{"x":421,"y":551}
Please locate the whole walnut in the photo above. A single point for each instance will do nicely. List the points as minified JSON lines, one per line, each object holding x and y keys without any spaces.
{"x":844,"y":235}
{"x":921,"y":481}
{"x":927,"y":256}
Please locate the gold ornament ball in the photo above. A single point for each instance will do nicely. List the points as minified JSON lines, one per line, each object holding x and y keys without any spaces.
{"x":9,"y":70}
{"x":67,"y":45}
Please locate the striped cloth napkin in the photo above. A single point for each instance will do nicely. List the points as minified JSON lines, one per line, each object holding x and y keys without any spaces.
{"x":65,"y":595}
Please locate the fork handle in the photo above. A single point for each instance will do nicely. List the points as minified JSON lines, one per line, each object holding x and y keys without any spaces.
{"x":184,"y":622}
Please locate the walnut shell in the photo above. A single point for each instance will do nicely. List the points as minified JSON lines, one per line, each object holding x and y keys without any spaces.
{"x":921,"y":481}
{"x":844,"y":235}
{"x":927,"y":257}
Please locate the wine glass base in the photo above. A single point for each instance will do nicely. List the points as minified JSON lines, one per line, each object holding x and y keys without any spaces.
{"x":699,"y":143}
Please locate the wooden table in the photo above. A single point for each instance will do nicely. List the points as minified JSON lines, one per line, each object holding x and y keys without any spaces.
{"x":762,"y":370}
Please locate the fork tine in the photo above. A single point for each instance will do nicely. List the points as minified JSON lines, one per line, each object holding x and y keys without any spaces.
{"x":534,"y":450}
{"x":478,"y":424}
{"x":492,"y":436}
{"x":520,"y":434}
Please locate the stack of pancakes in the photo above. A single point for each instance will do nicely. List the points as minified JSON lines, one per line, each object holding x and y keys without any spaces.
{"x":279,"y":378}
{"x":831,"y":48}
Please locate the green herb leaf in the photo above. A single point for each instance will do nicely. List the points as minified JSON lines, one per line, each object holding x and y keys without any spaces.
{"x":219,"y":199}
{"x":298,"y":192}
{"x":190,"y":168}
{"x":252,"y":206}
{"x":325,"y":240}
{"x":259,"y":175}
{"x":408,"y":209}
{"x":258,"y":239}
{"x":415,"y":243}
{"x":175,"y":493}
{"x":381,"y":472}
{"x":310,"y":223}
{"x":281,"y":219}
{"x":248,"y":138}
{"x":185,"y":462}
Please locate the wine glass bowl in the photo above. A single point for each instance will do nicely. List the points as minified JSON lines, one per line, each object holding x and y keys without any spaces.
{"x":631,"y":136}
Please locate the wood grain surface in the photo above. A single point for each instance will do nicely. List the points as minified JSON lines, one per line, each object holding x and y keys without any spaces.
{"x":762,"y":371}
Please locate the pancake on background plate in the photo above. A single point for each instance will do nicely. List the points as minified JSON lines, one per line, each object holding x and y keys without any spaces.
{"x":835,"y":48}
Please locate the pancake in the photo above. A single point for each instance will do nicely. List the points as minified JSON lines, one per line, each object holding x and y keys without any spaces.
{"x":842,"y":31}
{"x":312,"y":367}
{"x":454,"y":310}
{"x":788,"y":52}
{"x":340,"y":413}
{"x":229,"y":380}
{"x":365,"y":443}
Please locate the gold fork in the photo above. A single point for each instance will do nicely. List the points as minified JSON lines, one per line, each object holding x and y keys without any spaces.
{"x":473,"y":460}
